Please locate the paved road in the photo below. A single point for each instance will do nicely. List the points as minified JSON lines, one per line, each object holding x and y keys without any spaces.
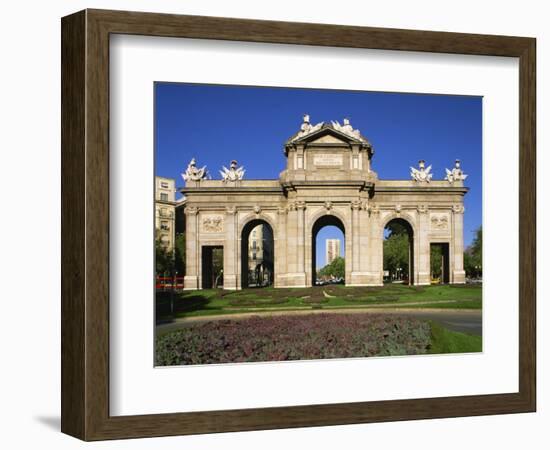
{"x":455,"y":320}
{"x":465,"y":321}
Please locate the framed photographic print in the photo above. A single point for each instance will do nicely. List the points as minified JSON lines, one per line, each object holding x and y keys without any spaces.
{"x":270,"y":224}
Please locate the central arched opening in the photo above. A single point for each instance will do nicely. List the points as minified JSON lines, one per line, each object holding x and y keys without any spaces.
{"x":328,"y":251}
{"x":257,"y":254}
{"x":398,"y":252}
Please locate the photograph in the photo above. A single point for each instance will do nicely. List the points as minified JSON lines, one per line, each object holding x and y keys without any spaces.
{"x":306,"y":224}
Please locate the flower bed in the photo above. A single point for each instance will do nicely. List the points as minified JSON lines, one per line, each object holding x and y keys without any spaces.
{"x":258,"y":302}
{"x":315,"y":336}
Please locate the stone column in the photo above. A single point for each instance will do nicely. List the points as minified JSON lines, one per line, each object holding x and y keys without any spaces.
{"x":192,"y":248}
{"x":457,"y":270}
{"x":356,"y":277}
{"x":280,"y":249}
{"x":375,"y":249}
{"x":301,"y":247}
{"x":291,"y":241}
{"x":422,"y":248}
{"x":295,"y":248}
{"x":230,"y":274}
{"x":355,"y":206}
{"x":364,"y":239}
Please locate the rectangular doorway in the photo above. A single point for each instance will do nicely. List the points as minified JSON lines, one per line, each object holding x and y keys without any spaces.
{"x":212,"y":266}
{"x":439,"y":262}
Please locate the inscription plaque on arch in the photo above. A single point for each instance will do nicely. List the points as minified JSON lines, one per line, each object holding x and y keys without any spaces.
{"x":328,"y":160}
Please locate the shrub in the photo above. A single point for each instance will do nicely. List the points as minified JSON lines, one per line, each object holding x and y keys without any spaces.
{"x":315,"y":300}
{"x":387,"y":298}
{"x":258,"y":302}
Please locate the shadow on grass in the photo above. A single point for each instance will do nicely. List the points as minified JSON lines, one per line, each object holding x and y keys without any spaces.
{"x":217,"y":301}
{"x":182,"y":305}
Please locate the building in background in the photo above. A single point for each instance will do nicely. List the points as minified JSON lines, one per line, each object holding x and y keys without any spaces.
{"x":260,"y":256}
{"x":332,"y":250}
{"x":165,"y":211}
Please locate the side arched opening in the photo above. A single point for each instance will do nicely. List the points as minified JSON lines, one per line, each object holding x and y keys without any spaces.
{"x":334,"y":252}
{"x":398,"y":248}
{"x":257,"y":254}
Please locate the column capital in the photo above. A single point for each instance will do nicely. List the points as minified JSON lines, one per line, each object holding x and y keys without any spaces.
{"x":191,"y":211}
{"x":355,"y":205}
{"x":230,"y":210}
{"x":300,"y":205}
{"x":458,"y":209}
{"x":422,"y":209}
{"x":374,"y":210}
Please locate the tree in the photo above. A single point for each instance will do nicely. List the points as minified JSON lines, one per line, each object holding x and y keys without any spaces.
{"x":336,"y":268}
{"x":473,"y":256}
{"x":477,"y":243}
{"x":217,"y":266}
{"x":396,"y":250}
{"x":164,"y":258}
{"x":179,"y":253}
{"x":436,"y":260}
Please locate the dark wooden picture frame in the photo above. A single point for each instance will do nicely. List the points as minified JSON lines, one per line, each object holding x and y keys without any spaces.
{"x":85,"y":224}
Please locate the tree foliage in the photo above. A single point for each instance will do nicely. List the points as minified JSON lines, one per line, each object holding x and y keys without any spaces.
{"x":436,"y":260}
{"x":179,"y":253}
{"x":335,"y":269}
{"x":396,"y":248}
{"x":473,"y":256}
{"x":164,"y":258}
{"x":396,"y":254}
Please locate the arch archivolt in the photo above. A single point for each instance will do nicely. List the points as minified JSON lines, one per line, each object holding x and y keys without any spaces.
{"x":388,"y":216}
{"x":317,"y":212}
{"x":266,"y":217}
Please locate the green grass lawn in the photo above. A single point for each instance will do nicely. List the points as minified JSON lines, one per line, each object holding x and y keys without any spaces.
{"x":217,"y":301}
{"x":447,"y":341}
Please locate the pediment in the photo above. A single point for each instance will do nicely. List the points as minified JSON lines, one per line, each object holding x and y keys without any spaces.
{"x":328,"y":139}
{"x":328,"y":135}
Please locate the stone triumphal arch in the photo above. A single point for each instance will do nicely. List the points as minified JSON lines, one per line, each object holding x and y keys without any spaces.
{"x":328,"y":179}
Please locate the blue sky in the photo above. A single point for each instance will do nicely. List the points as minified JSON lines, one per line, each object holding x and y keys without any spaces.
{"x":217,"y":123}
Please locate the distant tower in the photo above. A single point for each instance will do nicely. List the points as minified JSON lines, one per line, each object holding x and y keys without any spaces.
{"x":332,"y":250}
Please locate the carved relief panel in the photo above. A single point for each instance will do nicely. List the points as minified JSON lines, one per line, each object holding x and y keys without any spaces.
{"x":212,"y":223}
{"x":440,"y":222}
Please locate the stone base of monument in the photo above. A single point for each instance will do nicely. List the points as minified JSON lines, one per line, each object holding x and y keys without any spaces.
{"x":459,"y":277}
{"x":230,"y":282}
{"x":190,"y":283}
{"x":292,"y":280}
{"x":424,"y":279}
{"x":364,"y":279}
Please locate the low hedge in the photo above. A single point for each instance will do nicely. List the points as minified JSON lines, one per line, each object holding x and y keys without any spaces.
{"x":258,"y":302}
